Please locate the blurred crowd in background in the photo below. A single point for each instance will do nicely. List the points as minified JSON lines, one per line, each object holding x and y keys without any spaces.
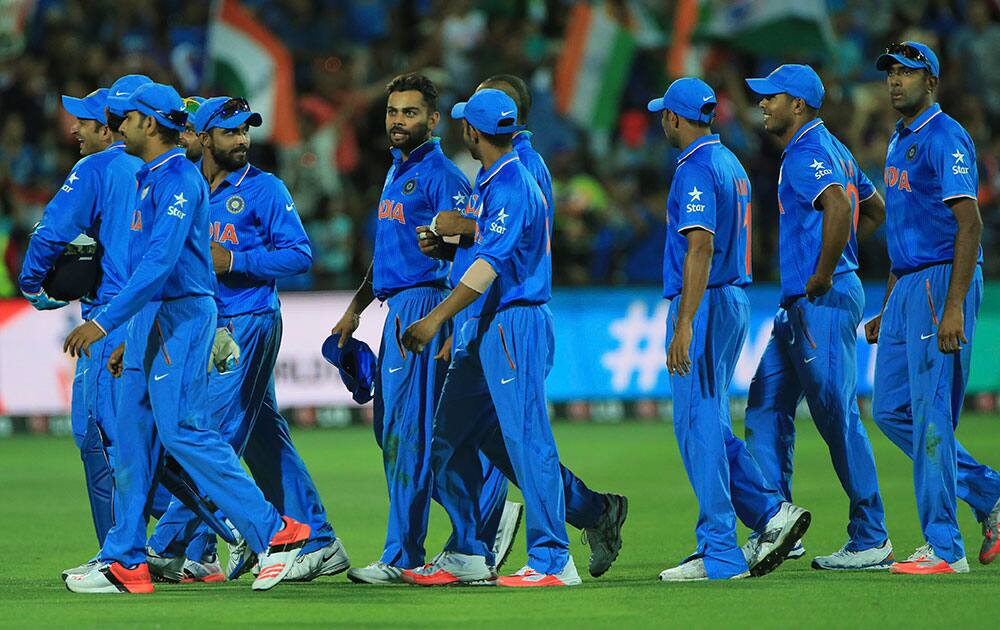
{"x":610,"y":186}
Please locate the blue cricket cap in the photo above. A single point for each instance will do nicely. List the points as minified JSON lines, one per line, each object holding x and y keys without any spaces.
{"x":225,"y":112}
{"x":121,"y":89}
{"x":796,"y":80}
{"x":162,"y":102}
{"x":90,"y":107}
{"x":490,"y":111}
{"x":912,"y":55}
{"x":688,"y":97}
{"x":356,"y":363}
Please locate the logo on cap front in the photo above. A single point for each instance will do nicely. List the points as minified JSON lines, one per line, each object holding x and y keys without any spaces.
{"x":235,"y":204}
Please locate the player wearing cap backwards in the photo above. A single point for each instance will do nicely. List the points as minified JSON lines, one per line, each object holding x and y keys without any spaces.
{"x":257,"y":237}
{"x":826,"y":203}
{"x":97,"y":198}
{"x":189,"y":137}
{"x":421,"y":182}
{"x":706,"y":264}
{"x":601,"y":516}
{"x":925,"y":329}
{"x":168,"y":305}
{"x":508,"y":347}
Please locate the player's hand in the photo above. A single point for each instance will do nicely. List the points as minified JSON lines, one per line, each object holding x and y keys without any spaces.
{"x":78,"y":342}
{"x":447,"y":223}
{"x":225,"y":352}
{"x":222,"y":259}
{"x":872,"y":328}
{"x":951,"y":330}
{"x":346,"y":327}
{"x":116,"y":362}
{"x":420,"y":333}
{"x":430,"y":243}
{"x":42,"y":301}
{"x":678,"y":359}
{"x":444,"y":354}
{"x":818,"y":285}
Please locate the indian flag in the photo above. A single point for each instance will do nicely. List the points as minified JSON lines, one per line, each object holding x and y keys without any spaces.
{"x":593,"y":66}
{"x":245,"y":59}
{"x":768,"y":27}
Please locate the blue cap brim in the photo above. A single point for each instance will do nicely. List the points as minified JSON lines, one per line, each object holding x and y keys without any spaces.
{"x":885,"y":61}
{"x":764,"y":87}
{"x":233,"y":122}
{"x":355,"y":356}
{"x":458,"y":111}
{"x":656,"y":105}
{"x":78,"y":107}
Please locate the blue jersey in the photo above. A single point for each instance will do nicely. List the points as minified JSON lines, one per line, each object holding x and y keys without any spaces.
{"x":97,"y":198}
{"x":415,"y":189}
{"x":812,"y":162}
{"x":169,"y":251}
{"x":710,"y":191}
{"x":930,"y":162}
{"x":253,"y":216}
{"x":512,"y":235}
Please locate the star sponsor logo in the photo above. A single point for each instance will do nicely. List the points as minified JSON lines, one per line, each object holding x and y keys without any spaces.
{"x":175,"y":209}
{"x":959,"y":159}
{"x":459,"y":199}
{"x":70,"y":180}
{"x":695,"y":195}
{"x":179,"y":200}
{"x":819,"y":169}
{"x":500,"y":225}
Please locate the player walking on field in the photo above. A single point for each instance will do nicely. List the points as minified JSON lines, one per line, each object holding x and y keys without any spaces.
{"x":924,"y":332}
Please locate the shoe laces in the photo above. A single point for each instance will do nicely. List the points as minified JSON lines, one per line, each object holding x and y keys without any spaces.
{"x":922,"y":553}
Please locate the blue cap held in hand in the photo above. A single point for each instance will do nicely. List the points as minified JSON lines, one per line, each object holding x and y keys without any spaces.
{"x":357,"y":364}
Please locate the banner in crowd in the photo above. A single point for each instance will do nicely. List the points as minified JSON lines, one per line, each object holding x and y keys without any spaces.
{"x":609,"y":346}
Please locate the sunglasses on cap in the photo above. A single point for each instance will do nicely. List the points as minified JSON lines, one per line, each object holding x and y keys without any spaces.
{"x":908,"y":52}
{"x":229,"y":109}
{"x":177,"y":118}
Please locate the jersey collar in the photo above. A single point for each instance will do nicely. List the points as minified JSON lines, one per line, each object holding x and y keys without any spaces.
{"x":806,"y":128}
{"x":919,"y":122}
{"x":486,"y":175}
{"x":418,"y":153}
{"x":120,"y":144}
{"x":236,"y":177}
{"x":522,"y":137}
{"x":160,"y":160}
{"x":712,"y":138}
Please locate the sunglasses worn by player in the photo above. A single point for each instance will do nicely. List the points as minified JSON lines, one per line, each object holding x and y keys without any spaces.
{"x":229,"y":109}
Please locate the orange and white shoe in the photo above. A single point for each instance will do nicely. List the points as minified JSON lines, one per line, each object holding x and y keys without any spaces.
{"x":528,"y":577}
{"x":991,"y":536}
{"x":450,"y":567}
{"x":276,"y":562}
{"x":112,"y":578}
{"x":924,"y":561}
{"x":210,"y":571}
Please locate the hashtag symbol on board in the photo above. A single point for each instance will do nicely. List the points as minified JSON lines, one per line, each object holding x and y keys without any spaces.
{"x":641,"y":335}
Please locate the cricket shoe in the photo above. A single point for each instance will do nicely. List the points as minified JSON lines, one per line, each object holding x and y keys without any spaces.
{"x":376,"y":573}
{"x":692,"y":570}
{"x":605,"y":537}
{"x":242,"y":559}
{"x":209,"y":571}
{"x":510,"y":522}
{"x":752,"y":544}
{"x":780,"y":535}
{"x":164,"y":569}
{"x":797,"y":552}
{"x":112,"y":578}
{"x":991,"y":536}
{"x":871,"y":559}
{"x":80,"y":570}
{"x":450,"y":567}
{"x":276,"y":561}
{"x":528,"y":577}
{"x":924,"y":561}
{"x":329,"y":560}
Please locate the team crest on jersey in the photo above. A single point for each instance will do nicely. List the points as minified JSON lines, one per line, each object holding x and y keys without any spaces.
{"x":235,"y":204}
{"x":145,"y":191}
{"x":911,"y":152}
{"x":409,"y":186}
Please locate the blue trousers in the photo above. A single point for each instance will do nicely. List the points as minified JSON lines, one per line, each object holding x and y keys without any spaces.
{"x":246,"y":412}
{"x":165,"y":398}
{"x":511,"y":354}
{"x":918,"y":398}
{"x":726,"y":479}
{"x":812,"y":353}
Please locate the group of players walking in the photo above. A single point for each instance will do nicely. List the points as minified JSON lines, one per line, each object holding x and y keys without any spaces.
{"x":196,"y":236}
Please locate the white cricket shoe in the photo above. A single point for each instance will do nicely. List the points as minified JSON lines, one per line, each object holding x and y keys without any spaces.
{"x":206,"y":571}
{"x":82,"y":569}
{"x":241,"y":558}
{"x":605,"y":537}
{"x":329,"y":560}
{"x":510,"y":522}
{"x":164,"y":569}
{"x":780,"y":535}
{"x":376,"y":573}
{"x":796,"y":552}
{"x":450,"y":567}
{"x":871,"y":559}
{"x":750,"y":549}
{"x":528,"y":577}
{"x":924,"y":561}
{"x":692,"y":571}
{"x":276,"y":561}
{"x":112,"y":578}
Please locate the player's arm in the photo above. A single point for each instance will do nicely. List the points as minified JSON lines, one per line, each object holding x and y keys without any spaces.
{"x":871,"y":215}
{"x":476,"y":281}
{"x":874,"y":325}
{"x":290,"y":254}
{"x":837,"y":221}
{"x":951,"y":330}
{"x":351,"y":318}
{"x":697,"y":263}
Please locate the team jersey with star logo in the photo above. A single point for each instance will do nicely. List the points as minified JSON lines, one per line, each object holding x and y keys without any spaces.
{"x":813,"y":161}
{"x":929,"y":162}
{"x":252,"y":214}
{"x":97,"y":198}
{"x":415,"y":189}
{"x":168,"y":251}
{"x":710,"y":191}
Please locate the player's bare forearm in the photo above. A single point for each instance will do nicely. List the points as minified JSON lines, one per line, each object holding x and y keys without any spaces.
{"x":364,"y":295}
{"x":459,"y":298}
{"x":967,"y":239}
{"x":697,"y":264}
{"x":874,"y":325}
{"x":871,"y":216}
{"x":453,"y":223}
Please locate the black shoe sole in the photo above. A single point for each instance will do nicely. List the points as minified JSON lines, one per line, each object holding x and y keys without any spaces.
{"x":621,"y":524}
{"x":773,"y":560}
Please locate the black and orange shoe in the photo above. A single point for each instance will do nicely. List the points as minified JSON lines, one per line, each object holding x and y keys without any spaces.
{"x":276,"y":562}
{"x":112,"y":578}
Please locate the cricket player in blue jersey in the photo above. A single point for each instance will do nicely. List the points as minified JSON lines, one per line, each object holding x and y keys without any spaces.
{"x":168,"y":306}
{"x":924,"y":332}
{"x":706,"y":264}
{"x":257,"y":237}
{"x":825,"y":203}
{"x":96,"y":198}
{"x":601,"y":516}
{"x":189,"y":137}
{"x":507,"y":346}
{"x":421,"y":182}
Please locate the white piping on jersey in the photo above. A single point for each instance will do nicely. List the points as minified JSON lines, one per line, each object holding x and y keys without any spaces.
{"x":808,"y":129}
{"x":153,"y":168}
{"x":696,"y":148}
{"x":926,"y":121}
{"x":243,"y":176}
{"x":513,"y":159}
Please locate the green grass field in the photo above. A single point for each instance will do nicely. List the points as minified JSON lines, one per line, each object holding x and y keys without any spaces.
{"x":46,"y":527}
